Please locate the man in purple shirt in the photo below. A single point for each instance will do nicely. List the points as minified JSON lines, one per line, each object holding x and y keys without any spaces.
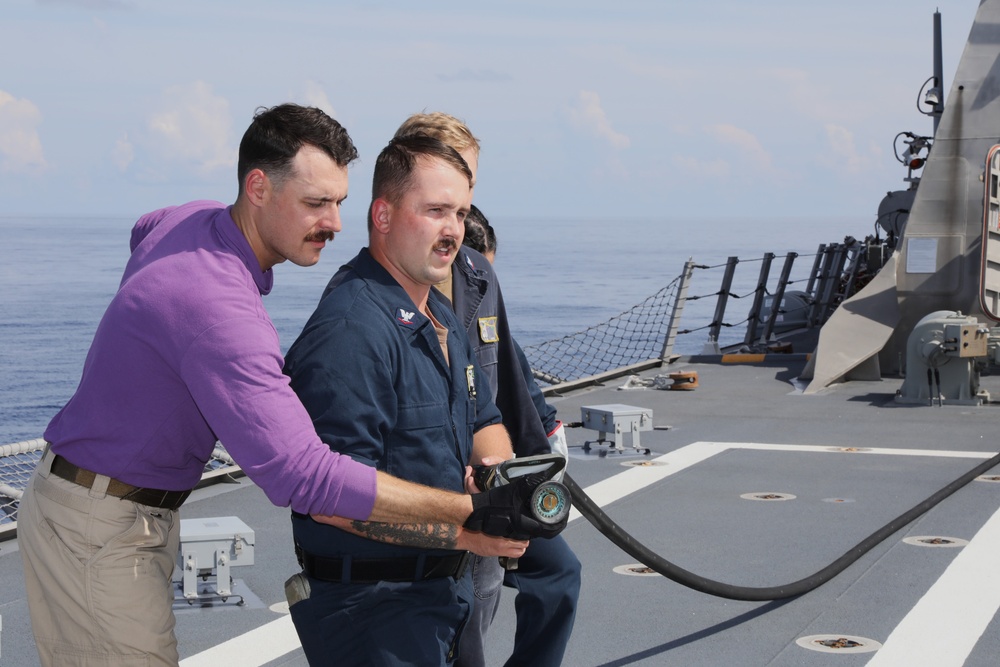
{"x":186,"y":355}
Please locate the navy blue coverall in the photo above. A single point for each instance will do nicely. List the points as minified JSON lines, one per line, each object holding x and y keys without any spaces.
{"x":370,"y":370}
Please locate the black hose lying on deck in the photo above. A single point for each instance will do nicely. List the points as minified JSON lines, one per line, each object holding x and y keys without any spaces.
{"x":634,"y":548}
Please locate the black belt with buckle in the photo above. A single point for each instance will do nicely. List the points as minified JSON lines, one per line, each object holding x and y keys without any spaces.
{"x":373,"y":570}
{"x":169,"y":500}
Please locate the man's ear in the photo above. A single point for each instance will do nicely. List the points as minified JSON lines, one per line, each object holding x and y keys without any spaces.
{"x":380,"y":215}
{"x":257,"y":186}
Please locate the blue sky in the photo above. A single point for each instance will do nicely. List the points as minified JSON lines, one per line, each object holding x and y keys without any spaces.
{"x":661,"y":108}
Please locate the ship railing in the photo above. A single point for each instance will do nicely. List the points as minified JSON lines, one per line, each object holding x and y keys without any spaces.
{"x":649,"y":333}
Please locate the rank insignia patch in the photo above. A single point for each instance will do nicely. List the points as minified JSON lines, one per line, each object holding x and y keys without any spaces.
{"x":488,"y":330}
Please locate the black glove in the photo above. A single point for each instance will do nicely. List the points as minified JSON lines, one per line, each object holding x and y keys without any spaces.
{"x":505,"y":511}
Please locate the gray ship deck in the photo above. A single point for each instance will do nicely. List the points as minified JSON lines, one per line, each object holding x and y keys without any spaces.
{"x":852,"y":458}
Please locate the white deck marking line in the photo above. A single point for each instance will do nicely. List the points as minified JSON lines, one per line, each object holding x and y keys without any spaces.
{"x":277,"y":638}
{"x":618,"y":486}
{"x":837,"y":449}
{"x":254,"y":648}
{"x":957,"y":608}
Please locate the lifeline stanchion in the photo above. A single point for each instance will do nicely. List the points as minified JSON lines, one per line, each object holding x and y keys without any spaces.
{"x":636,"y":549}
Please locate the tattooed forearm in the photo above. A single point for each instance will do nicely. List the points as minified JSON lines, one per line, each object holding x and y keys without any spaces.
{"x":424,"y":535}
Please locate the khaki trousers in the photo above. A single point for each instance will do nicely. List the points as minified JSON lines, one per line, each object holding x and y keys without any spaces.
{"x":97,"y":571}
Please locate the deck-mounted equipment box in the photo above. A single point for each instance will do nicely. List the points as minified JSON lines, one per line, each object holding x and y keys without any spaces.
{"x":618,"y":419}
{"x":211,"y":546}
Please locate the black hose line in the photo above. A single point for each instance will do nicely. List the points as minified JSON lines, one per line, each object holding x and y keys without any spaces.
{"x":634,"y":548}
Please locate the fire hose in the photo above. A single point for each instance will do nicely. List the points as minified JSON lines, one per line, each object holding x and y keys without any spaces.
{"x":595,"y":515}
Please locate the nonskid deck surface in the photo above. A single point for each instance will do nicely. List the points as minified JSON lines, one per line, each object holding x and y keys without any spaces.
{"x":748,"y":482}
{"x":853,"y":459}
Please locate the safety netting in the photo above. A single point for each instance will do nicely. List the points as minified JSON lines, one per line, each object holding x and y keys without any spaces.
{"x":630,"y":337}
{"x":17,"y":461}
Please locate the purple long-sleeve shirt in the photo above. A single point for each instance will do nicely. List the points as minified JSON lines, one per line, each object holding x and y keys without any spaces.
{"x":186,"y":354}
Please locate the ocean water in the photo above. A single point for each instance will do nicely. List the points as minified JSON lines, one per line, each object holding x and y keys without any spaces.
{"x":558,"y":277}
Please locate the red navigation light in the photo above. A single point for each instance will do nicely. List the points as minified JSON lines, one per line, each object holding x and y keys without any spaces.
{"x":916,"y":162}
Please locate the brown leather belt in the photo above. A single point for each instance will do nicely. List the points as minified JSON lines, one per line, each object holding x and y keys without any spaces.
{"x":169,"y":500}
{"x":373,"y":570}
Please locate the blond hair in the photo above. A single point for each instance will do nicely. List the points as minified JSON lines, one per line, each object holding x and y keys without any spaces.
{"x":440,"y":126}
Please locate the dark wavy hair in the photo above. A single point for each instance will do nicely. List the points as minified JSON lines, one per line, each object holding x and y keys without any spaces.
{"x":479,"y":234}
{"x":277,"y":133}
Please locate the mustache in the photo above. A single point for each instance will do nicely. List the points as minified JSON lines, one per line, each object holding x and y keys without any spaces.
{"x":325,"y":235}
{"x":446,"y":244}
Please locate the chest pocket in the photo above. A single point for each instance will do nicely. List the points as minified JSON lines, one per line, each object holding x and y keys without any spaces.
{"x":418,"y":416}
{"x":487,"y":355}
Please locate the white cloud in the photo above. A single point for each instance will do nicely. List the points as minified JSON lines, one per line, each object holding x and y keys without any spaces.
{"x":743,"y":141}
{"x":844,"y":154}
{"x":315,"y":96}
{"x":193,"y":126}
{"x":20,"y":145}
{"x":589,"y":117}
{"x":737,"y":150}
{"x":123,"y":152}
